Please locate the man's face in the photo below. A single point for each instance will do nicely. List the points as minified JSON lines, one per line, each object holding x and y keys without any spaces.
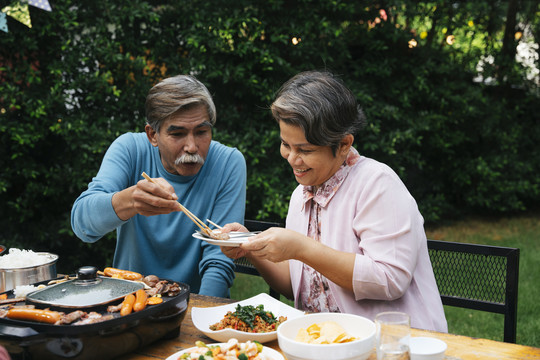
{"x":183,"y":140}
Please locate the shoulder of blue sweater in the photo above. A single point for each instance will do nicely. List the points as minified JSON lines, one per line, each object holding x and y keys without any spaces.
{"x":138,"y":136}
{"x":221,"y":149}
{"x":130,"y":139}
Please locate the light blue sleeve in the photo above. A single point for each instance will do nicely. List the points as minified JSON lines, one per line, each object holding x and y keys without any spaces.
{"x":218,"y":270}
{"x":93,"y":215}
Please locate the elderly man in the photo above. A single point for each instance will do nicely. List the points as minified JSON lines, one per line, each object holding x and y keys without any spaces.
{"x":187,"y":166}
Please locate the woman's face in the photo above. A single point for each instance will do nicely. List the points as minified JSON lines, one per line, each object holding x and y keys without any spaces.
{"x":312,"y":164}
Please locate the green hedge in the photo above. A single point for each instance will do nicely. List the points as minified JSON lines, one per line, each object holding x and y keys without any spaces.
{"x":78,"y":78}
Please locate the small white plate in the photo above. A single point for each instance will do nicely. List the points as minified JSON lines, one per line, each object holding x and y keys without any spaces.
{"x":426,"y":348}
{"x":269,"y":353}
{"x":233,"y":241}
{"x":204,"y":317}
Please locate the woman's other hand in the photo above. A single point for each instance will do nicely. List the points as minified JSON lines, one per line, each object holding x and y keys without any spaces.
{"x":276,"y":245}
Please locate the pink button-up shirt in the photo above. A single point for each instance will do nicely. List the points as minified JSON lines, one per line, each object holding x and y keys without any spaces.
{"x":373,"y":215}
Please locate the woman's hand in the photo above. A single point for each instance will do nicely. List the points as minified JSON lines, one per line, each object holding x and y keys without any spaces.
{"x":276,"y":245}
{"x":234,"y":227}
{"x":231,"y":251}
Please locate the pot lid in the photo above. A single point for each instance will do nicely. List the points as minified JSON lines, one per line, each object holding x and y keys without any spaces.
{"x":88,"y":290}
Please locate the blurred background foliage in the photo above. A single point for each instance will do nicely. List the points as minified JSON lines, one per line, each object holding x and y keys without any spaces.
{"x":450,"y":89}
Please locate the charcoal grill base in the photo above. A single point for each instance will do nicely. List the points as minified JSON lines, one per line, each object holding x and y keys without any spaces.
{"x":95,"y":346}
{"x":104,"y":340}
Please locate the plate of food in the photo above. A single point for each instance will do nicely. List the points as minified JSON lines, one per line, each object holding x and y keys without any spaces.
{"x":251,"y":349}
{"x":254,"y":319}
{"x":231,"y":239}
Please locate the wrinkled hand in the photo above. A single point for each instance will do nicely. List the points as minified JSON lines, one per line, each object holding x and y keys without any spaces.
{"x":276,"y":245}
{"x":233,"y":227}
{"x":231,"y":251}
{"x":154,"y":199}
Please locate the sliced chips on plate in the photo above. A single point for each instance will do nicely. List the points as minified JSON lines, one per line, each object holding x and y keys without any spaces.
{"x":327,"y":332}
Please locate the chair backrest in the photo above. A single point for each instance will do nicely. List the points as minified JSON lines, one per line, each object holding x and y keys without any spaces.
{"x":479,"y":277}
{"x":242,"y":264}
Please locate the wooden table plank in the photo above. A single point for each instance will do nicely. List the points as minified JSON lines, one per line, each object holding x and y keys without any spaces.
{"x":459,"y":347}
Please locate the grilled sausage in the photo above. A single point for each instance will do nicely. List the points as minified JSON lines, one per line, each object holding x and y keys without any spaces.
{"x":127,"y":305}
{"x":124,"y":274}
{"x":140,"y":300}
{"x":44,"y":316}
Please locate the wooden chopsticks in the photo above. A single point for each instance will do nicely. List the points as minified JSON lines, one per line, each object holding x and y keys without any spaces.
{"x":204,"y":228}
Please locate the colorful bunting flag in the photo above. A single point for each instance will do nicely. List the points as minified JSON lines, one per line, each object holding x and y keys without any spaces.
{"x":3,"y":22}
{"x":42,"y":4}
{"x":19,"y":12}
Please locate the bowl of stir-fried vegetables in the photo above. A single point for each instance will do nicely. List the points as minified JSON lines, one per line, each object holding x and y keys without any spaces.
{"x":255,"y":319}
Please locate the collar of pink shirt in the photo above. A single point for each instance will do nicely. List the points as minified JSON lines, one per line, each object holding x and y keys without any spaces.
{"x":326,"y":191}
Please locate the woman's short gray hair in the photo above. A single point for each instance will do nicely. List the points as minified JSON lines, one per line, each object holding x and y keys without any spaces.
{"x":320,"y":104}
{"x":175,"y":93}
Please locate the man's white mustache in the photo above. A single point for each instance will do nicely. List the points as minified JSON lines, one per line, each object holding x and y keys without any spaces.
{"x":189,"y":159}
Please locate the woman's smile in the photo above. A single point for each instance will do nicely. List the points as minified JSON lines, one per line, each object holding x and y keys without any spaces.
{"x":300,"y":172}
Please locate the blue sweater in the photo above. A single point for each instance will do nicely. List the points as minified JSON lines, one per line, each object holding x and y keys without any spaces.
{"x":163,"y":245}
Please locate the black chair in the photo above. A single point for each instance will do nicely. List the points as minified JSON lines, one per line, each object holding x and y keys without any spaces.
{"x":243,"y":265}
{"x":479,"y":277}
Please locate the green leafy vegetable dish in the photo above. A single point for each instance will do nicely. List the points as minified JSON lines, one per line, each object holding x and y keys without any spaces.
{"x":249,"y":318}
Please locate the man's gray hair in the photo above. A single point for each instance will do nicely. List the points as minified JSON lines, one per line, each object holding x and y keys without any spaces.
{"x":175,"y":93}
{"x":321,"y":105}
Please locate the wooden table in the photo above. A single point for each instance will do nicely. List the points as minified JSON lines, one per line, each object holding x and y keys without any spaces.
{"x":459,"y":347}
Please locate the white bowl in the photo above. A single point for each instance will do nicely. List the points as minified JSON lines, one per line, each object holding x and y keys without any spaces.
{"x":354,"y":325}
{"x":204,"y":317}
{"x":426,"y":348}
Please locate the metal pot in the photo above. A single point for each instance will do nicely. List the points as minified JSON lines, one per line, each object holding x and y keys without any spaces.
{"x":10,"y":278}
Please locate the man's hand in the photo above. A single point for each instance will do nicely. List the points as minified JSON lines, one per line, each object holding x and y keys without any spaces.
{"x":146,"y":198}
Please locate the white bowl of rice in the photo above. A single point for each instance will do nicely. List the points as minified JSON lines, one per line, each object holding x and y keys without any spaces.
{"x":25,"y":267}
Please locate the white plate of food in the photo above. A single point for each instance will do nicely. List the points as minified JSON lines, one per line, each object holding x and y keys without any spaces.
{"x":248,"y":347}
{"x":204,"y":318}
{"x":235,"y":239}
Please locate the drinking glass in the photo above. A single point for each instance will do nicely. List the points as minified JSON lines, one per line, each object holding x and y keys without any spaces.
{"x":393,"y":334}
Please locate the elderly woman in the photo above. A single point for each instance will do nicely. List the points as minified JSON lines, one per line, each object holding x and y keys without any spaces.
{"x":354,"y":240}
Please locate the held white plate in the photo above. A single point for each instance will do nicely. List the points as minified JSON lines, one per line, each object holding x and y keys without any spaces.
{"x":233,"y":241}
{"x":269,"y":353}
{"x":204,"y":317}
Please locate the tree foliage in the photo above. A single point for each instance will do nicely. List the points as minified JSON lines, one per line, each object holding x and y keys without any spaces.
{"x":458,"y":122}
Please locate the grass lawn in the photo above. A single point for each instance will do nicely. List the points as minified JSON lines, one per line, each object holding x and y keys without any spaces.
{"x":522,"y":232}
